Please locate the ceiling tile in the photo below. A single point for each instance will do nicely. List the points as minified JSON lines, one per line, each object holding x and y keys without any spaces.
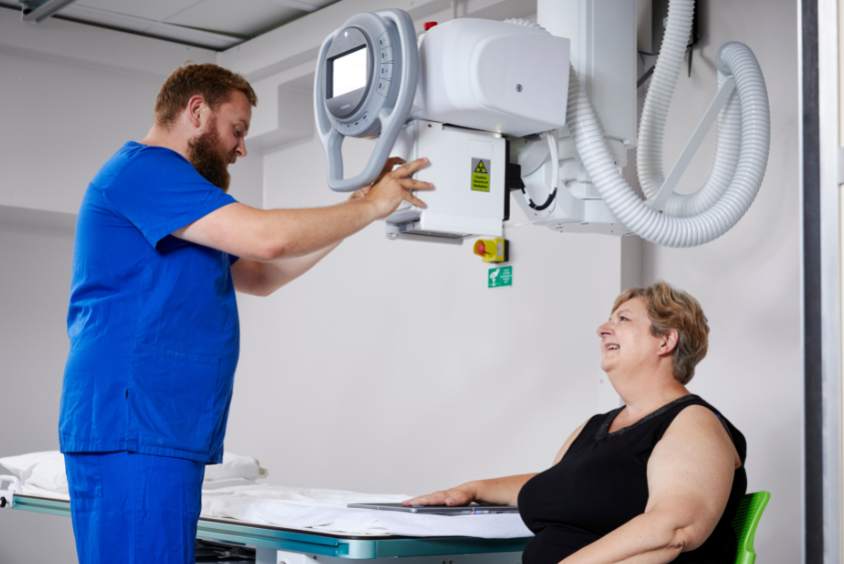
{"x":106,"y":18}
{"x":158,"y":10}
{"x":193,"y":36}
{"x":237,"y":17}
{"x":214,"y":24}
{"x":315,"y":3}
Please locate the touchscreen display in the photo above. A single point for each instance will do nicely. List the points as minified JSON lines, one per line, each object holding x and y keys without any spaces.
{"x":348,"y":71}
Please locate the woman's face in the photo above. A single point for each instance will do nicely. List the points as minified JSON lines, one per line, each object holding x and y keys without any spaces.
{"x":627,"y":344}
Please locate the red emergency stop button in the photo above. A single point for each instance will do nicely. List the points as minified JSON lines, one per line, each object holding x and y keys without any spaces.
{"x":492,"y":250}
{"x":429,"y":25}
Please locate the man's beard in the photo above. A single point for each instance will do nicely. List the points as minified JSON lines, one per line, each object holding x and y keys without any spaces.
{"x":205,"y":155}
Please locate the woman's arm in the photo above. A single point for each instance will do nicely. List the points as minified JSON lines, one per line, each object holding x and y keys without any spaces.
{"x":690,"y":474}
{"x":499,"y":491}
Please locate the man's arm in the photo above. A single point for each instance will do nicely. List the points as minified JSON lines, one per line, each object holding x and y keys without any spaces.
{"x":267,"y":235}
{"x":263,"y":278}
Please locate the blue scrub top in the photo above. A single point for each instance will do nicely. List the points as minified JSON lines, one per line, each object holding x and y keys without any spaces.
{"x":152,"y":321}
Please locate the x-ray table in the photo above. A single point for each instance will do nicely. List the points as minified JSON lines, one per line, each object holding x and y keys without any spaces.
{"x":275,"y":545}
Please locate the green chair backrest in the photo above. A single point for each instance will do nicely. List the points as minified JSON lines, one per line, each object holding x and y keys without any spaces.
{"x":747,"y":518}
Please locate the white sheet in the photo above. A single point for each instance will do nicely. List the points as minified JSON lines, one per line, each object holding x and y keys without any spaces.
{"x":237,"y":492}
{"x":326,"y":511}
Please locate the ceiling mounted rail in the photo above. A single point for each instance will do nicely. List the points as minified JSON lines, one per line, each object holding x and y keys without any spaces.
{"x":38,"y":11}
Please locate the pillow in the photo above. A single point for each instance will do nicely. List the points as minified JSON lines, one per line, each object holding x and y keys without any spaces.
{"x":46,"y":470}
{"x":40,"y":469}
{"x":235,"y":466}
{"x":22,"y":466}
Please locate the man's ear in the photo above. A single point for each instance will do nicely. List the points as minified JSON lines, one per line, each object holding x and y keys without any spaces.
{"x":195,"y":111}
{"x":668,"y":342}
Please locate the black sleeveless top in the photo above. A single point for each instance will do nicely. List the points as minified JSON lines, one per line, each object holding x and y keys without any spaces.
{"x":601,"y":483}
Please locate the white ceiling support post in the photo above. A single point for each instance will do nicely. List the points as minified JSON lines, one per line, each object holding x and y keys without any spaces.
{"x":603,"y":52}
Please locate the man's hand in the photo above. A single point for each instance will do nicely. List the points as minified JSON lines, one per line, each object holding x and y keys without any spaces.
{"x":395,"y":186}
{"x":391,"y":163}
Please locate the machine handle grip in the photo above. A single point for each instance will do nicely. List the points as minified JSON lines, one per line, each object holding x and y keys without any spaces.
{"x":391,"y":121}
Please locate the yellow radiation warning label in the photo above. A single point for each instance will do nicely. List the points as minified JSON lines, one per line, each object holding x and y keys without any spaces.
{"x":480,"y":175}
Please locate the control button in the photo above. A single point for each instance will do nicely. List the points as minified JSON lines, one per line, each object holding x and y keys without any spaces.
{"x":383,"y":87}
{"x":429,"y":25}
{"x":385,"y":71}
{"x":386,"y":55}
{"x":384,"y":40}
{"x":492,"y":250}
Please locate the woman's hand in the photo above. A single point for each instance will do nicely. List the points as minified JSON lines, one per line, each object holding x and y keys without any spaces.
{"x":463,"y":494}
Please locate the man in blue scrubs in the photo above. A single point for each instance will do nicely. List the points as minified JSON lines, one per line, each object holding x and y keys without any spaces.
{"x":153,"y":324}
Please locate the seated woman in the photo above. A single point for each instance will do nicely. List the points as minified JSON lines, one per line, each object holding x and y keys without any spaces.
{"x":656,"y":480}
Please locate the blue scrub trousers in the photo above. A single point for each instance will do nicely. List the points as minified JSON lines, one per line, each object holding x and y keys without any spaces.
{"x":133,"y":508}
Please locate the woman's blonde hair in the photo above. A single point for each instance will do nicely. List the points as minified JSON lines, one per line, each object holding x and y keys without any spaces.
{"x":669,"y":308}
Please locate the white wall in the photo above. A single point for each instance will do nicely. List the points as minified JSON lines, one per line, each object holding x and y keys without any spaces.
{"x":391,"y":367}
{"x":35,"y":254}
{"x":749,"y":280}
{"x":72,"y":94}
{"x":395,"y":352}
{"x":61,"y":122}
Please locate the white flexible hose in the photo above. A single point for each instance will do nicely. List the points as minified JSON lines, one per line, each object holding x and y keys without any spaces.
{"x":655,"y":111}
{"x":736,"y":60}
{"x":741,"y":156}
{"x":658,"y":99}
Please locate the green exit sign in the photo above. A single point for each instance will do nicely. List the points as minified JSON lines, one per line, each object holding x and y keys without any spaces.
{"x":499,"y":276}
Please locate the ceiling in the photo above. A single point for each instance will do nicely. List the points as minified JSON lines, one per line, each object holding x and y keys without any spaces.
{"x":211,"y":24}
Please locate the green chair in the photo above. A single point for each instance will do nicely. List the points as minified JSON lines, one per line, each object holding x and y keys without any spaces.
{"x":747,"y":518}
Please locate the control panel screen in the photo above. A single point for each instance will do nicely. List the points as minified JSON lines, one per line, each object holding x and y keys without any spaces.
{"x":348,"y":71}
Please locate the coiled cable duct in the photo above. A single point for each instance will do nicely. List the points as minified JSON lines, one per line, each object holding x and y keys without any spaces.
{"x":661,"y":90}
{"x":652,"y":130}
{"x":722,"y":202}
{"x":736,"y":60}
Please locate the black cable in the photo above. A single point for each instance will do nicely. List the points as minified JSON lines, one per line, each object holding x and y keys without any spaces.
{"x":548,"y":201}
